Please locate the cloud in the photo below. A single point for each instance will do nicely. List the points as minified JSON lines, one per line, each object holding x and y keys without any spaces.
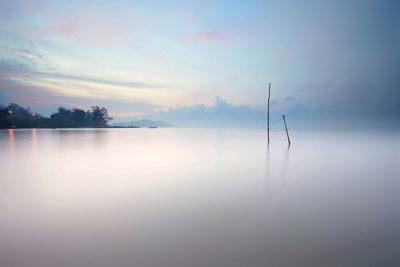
{"x":22,"y":84}
{"x":224,"y":114}
{"x":209,"y":37}
{"x":130,"y":84}
{"x":338,"y":64}
{"x":22,"y":51}
{"x":92,"y":25}
{"x":14,"y":69}
{"x":22,"y":7}
{"x":156,"y":56}
{"x":10,"y":69}
{"x":194,"y":10}
{"x":45,"y":101}
{"x":83,"y":23}
{"x":219,"y":114}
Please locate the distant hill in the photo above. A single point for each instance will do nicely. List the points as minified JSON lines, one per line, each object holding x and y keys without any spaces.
{"x":142,"y":123}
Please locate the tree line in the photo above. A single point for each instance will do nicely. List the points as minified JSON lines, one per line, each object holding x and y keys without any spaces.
{"x":15,"y":116}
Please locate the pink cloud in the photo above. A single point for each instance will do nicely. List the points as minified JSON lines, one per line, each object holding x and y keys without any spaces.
{"x":88,"y":25}
{"x":93,"y":26}
{"x":210,"y":37}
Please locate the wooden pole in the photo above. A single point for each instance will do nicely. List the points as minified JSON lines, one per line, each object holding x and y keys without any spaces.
{"x":269,"y":96}
{"x":287,"y":133}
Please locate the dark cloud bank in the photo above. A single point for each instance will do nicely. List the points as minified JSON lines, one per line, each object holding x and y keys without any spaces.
{"x":368,"y":112}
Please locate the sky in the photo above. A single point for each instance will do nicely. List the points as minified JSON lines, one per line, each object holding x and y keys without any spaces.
{"x":206,"y":63}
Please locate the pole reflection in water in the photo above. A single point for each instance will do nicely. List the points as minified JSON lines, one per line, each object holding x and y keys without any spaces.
{"x":267,"y":174}
{"x":285,"y":162}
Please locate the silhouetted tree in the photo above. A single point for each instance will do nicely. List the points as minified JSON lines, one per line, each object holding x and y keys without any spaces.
{"x":16,"y":116}
{"x":79,"y":116}
{"x":5,"y":118}
{"x":98,"y":117}
{"x":62,"y":118}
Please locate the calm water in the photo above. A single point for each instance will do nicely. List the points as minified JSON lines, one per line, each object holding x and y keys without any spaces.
{"x":199,"y":197}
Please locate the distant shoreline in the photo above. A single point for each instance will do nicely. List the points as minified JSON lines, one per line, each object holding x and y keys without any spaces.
{"x":14,"y":116}
{"x":55,"y":128}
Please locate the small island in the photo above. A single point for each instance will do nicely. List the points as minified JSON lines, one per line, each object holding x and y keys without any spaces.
{"x":15,"y":116}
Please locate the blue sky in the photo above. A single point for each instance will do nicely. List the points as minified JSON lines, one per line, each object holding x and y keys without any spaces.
{"x":330,"y":62}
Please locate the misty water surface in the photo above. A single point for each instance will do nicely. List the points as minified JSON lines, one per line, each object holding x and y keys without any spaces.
{"x":199,"y":197}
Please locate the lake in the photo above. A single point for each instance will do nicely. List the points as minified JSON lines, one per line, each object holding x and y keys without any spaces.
{"x":199,"y":197}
